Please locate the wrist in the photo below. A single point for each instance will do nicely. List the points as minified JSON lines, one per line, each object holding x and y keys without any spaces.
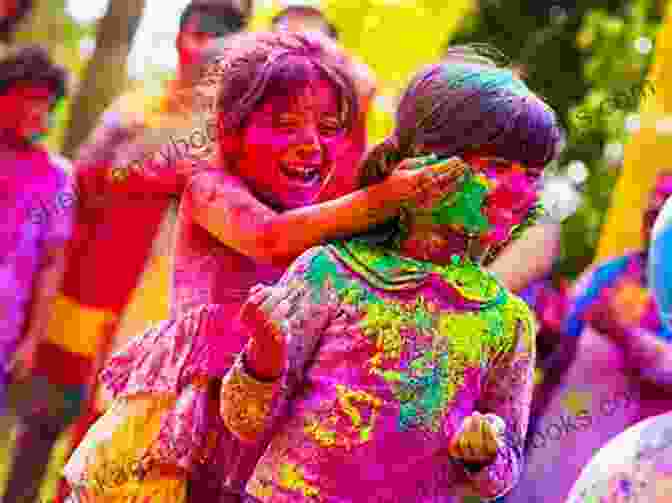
{"x":471,"y":467}
{"x":256,"y":367}
{"x":34,"y":334}
{"x":623,"y":336}
{"x":386,"y":200}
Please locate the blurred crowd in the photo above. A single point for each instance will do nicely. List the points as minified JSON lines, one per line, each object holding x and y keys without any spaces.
{"x":80,"y":236}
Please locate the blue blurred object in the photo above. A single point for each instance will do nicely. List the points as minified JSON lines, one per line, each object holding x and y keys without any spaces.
{"x":660,"y":263}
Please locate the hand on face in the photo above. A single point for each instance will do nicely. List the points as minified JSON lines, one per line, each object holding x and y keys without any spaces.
{"x":511,"y":195}
{"x":420,"y":181}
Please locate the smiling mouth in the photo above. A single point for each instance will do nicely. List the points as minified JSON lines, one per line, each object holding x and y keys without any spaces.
{"x":308,"y":173}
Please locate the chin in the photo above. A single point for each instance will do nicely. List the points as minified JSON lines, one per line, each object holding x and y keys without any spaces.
{"x":294,"y":200}
{"x":297,"y":195}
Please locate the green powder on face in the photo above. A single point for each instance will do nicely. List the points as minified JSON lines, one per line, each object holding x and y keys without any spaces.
{"x":464,"y":207}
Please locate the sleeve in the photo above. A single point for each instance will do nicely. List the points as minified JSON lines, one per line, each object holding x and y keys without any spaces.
{"x":60,"y":228}
{"x":124,"y":155}
{"x":507,"y":392}
{"x":249,"y":407}
{"x":97,"y":157}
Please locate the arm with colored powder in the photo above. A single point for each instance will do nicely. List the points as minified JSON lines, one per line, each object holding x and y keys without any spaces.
{"x":225,"y":206}
{"x":46,"y":284}
{"x":507,"y":394}
{"x":648,"y":356}
{"x":124,"y":155}
{"x":285,"y":323}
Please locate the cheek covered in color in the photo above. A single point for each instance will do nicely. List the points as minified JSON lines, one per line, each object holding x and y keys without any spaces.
{"x":507,"y":205}
{"x":341,"y":167}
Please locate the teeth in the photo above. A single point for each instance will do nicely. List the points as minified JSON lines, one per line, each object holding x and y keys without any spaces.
{"x":304,"y":172}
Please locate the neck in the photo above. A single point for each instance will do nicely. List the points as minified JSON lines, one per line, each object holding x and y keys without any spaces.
{"x":429,"y":245}
{"x":182,"y":90}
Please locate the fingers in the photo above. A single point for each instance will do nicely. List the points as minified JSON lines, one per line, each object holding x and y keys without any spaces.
{"x":418,"y":162}
{"x":477,"y":439}
{"x":454,"y":166}
{"x":256,"y":288}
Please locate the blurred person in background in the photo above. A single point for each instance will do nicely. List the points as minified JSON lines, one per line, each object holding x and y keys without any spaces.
{"x":635,"y":465}
{"x":37,"y":215}
{"x":121,"y":209}
{"x":301,"y":16}
{"x":12,"y":12}
{"x":620,"y":370}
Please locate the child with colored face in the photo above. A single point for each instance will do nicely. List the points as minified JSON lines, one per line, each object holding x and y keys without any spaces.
{"x":407,"y":368}
{"x":284,"y":107}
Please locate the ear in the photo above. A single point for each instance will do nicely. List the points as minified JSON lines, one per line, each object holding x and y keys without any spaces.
{"x":178,"y":42}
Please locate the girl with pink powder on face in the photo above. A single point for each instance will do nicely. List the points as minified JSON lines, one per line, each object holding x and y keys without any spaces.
{"x":285,"y":107}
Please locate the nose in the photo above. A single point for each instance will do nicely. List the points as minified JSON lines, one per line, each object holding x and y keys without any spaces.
{"x":310,"y":146}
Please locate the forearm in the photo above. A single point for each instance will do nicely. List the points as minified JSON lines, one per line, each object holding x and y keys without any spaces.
{"x":147,"y":177}
{"x":507,"y":393}
{"x":529,"y":258}
{"x":232,"y":215}
{"x":648,"y":357}
{"x":351,"y":214}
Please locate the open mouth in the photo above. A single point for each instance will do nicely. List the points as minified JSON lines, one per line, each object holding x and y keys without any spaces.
{"x":306,"y":173}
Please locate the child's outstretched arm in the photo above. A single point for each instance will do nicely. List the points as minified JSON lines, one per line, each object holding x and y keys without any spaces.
{"x":285,"y":323}
{"x":225,"y":206}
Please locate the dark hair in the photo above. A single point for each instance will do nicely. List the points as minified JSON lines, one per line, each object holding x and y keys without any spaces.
{"x":9,"y":24}
{"x":332,"y":31}
{"x":32,"y":64}
{"x":231,"y":18}
{"x":256,"y":66}
{"x":466,"y":104}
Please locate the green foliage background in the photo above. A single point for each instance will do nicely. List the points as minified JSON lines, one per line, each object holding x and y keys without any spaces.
{"x":576,"y":61}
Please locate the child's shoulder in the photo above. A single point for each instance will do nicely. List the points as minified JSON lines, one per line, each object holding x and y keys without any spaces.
{"x":518,"y":308}
{"x":315,"y":260}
